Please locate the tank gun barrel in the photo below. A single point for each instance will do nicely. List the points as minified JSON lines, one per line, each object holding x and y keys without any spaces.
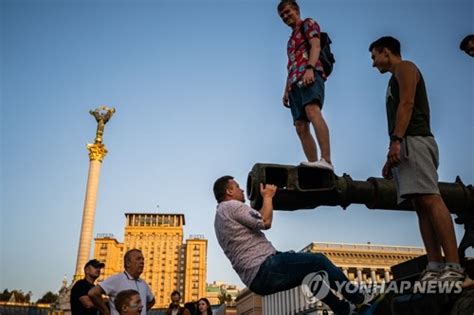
{"x":302,"y":187}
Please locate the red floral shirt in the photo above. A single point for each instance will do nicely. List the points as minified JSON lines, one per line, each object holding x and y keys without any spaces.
{"x":298,"y":50}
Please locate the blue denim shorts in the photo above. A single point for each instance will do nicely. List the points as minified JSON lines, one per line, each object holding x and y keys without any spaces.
{"x":300,"y":96}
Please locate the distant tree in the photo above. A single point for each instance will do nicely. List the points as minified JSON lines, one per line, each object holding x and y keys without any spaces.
{"x":28,"y":297}
{"x":16,"y":295}
{"x":223,"y":297}
{"x":48,"y":298}
{"x":5,"y":295}
{"x":20,"y":296}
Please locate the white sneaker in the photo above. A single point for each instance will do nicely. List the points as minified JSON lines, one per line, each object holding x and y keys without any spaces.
{"x":451,"y":275}
{"x":323,"y":164}
{"x":429,"y":275}
{"x":309,"y":163}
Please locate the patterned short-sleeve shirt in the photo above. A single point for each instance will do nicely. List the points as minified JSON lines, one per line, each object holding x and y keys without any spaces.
{"x":298,"y":50}
{"x":238,"y":230}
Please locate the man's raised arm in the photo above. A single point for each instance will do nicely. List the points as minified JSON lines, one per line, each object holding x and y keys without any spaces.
{"x":267,"y":191}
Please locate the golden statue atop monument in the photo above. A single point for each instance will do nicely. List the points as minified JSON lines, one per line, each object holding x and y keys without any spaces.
{"x":102,"y":114}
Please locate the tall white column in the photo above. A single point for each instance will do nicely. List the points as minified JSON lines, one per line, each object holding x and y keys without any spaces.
{"x":96,"y":155}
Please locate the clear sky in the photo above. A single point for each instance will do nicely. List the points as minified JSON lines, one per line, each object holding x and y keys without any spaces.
{"x":197,"y":86}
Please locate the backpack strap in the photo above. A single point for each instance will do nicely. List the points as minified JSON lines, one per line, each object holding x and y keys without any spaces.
{"x":304,"y":33}
{"x":323,"y":36}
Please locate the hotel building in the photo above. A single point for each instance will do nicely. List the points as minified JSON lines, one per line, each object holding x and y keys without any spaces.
{"x":170,"y":263}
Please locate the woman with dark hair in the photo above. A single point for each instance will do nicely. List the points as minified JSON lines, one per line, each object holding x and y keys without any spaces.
{"x":204,"y":307}
{"x":191,"y":307}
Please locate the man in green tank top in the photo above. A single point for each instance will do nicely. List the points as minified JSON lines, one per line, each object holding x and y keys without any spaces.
{"x":412,"y":158}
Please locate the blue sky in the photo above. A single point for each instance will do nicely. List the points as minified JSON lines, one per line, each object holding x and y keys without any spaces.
{"x":197,"y":86}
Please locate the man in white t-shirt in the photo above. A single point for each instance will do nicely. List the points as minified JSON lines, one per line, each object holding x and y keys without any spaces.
{"x":129,"y":279}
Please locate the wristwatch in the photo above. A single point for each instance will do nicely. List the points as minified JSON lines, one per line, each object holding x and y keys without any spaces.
{"x":310,"y":66}
{"x":396,"y":138}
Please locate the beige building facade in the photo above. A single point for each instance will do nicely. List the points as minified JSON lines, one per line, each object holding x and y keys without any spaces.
{"x":195,"y":271}
{"x":170,"y":264}
{"x":365,"y":262}
{"x":248,"y":303}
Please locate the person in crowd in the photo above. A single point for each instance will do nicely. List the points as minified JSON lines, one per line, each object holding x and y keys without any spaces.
{"x":175,"y":307}
{"x":304,"y":87}
{"x":262,"y":268}
{"x":467,"y":45}
{"x":412,"y":158}
{"x":81,"y":304}
{"x":204,"y":307}
{"x":128,"y":302}
{"x":134,"y":263}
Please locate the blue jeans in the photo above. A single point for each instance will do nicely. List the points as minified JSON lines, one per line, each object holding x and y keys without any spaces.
{"x":284,"y":271}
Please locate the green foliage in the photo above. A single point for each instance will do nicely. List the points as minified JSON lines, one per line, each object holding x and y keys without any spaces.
{"x":48,"y":298}
{"x":5,"y":295}
{"x":223,"y":297}
{"x":16,"y":296}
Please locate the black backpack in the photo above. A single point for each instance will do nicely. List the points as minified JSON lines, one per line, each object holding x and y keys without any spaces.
{"x":325,"y":55}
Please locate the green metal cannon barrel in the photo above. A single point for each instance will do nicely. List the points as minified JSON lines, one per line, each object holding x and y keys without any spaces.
{"x":302,"y":187}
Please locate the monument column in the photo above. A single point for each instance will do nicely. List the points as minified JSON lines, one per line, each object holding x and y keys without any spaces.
{"x":97,"y":154}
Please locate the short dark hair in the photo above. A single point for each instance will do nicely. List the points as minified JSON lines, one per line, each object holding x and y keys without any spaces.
{"x":175,"y":292}
{"x":389,"y":42}
{"x":123,"y":298}
{"x":220,"y":187}
{"x":284,"y":3}
{"x":126,"y":257}
{"x":191,"y":307}
{"x":465,"y":41}
{"x":94,"y":263}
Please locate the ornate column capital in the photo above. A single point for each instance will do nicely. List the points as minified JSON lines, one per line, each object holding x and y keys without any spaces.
{"x":97,"y":151}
